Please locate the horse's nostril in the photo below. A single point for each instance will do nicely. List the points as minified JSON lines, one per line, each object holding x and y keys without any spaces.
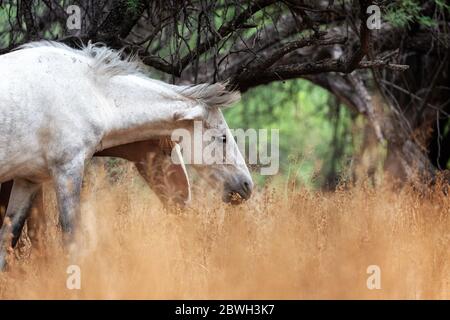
{"x":247,"y":188}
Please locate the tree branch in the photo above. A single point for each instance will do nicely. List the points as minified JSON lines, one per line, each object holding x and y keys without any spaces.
{"x":225,"y":30}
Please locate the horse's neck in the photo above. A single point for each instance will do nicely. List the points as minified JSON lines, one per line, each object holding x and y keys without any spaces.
{"x":138,"y":109}
{"x":135,"y":151}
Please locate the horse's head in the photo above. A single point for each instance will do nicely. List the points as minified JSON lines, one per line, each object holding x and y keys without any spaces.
{"x":210,"y":147}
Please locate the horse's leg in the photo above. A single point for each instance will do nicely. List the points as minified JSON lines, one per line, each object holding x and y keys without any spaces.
{"x":5,"y":193}
{"x":35,"y":220}
{"x":67,"y":179}
{"x":22,"y":195}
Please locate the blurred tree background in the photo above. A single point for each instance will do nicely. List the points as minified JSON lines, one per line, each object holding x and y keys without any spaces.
{"x":351,"y":102}
{"x":316,"y":142}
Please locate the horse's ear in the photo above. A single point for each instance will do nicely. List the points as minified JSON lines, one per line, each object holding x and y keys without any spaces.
{"x":195,"y":113}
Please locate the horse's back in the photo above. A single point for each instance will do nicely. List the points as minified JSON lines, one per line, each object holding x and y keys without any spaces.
{"x":46,"y":98}
{"x":46,"y":56}
{"x":41,"y":70}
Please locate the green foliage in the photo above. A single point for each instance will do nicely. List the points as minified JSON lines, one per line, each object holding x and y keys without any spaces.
{"x":442,"y":5}
{"x":132,"y":5}
{"x":405,"y":12}
{"x":303,"y":114}
{"x":5,"y":37}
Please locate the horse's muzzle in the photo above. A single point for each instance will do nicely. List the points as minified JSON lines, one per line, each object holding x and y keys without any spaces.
{"x":238,"y":192}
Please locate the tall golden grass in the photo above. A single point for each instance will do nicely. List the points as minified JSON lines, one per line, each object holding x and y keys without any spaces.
{"x":294,"y":244}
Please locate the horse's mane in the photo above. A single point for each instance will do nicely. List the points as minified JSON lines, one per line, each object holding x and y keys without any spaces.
{"x":212,"y":95}
{"x":106,"y":61}
{"x":109,"y":63}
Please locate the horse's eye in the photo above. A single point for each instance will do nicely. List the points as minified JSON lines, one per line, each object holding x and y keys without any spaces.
{"x":223,"y":138}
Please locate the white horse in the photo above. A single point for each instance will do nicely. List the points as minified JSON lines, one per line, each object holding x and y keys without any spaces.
{"x":58,"y":106}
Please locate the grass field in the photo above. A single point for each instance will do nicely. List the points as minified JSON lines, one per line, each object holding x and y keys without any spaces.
{"x":295,"y":244}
